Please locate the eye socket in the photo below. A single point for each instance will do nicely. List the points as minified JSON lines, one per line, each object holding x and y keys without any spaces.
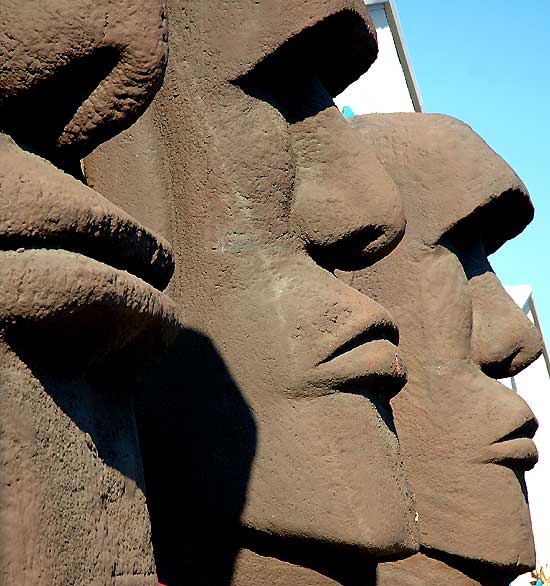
{"x":311,"y":53}
{"x":465,"y":241}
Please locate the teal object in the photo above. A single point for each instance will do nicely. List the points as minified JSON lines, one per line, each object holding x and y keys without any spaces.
{"x":347,"y":112}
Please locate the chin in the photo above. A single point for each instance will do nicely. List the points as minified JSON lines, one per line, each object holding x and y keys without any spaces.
{"x":322,"y":482}
{"x":496,"y":526}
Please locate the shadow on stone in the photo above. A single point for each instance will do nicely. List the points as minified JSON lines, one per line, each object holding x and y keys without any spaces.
{"x":199,"y":439}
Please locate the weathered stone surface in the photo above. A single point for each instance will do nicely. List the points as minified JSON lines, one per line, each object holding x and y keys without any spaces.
{"x":72,"y":498}
{"x":464,"y":436}
{"x":75,"y":73}
{"x":275,"y":397}
{"x":81,"y":303}
{"x":264,"y":432}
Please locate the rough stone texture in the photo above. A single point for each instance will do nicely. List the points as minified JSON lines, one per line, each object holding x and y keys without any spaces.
{"x":274,"y":399}
{"x":72,"y":498}
{"x":464,"y":436}
{"x":252,"y":568}
{"x":421,"y":570}
{"x":80,"y":307}
{"x":266,"y":436}
{"x":75,"y":73}
{"x":61,"y":243}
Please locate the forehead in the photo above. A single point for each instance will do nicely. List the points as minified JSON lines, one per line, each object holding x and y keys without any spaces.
{"x":236,"y":36}
{"x":448,"y":177}
{"x":39,"y":38}
{"x":38,"y":22}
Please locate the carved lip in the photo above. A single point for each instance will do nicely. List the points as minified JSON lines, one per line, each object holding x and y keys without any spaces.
{"x":516,"y":449}
{"x":70,"y":309}
{"x":96,"y":229}
{"x":379,"y":330}
{"x":367,"y":362}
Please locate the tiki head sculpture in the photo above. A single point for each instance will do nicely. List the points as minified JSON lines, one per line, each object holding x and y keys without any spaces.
{"x":73,"y":75}
{"x":270,"y":191}
{"x":81,"y":280}
{"x":466,"y":438}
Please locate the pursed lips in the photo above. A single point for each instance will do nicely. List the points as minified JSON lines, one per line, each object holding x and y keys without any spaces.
{"x":66,"y":215}
{"x":365,"y":362}
{"x":516,"y":449}
{"x":71,"y":256}
{"x":383,"y":330}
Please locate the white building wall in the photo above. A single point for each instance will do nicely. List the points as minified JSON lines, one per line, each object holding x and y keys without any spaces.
{"x":384,"y":88}
{"x":533,"y":384}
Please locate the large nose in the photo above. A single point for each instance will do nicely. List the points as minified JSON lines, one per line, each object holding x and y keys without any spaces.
{"x":504,"y":341}
{"x":347,"y":207}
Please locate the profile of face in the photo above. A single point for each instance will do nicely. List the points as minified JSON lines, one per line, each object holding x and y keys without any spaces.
{"x":73,"y":75}
{"x":272,"y":192}
{"x":465,"y":438}
{"x":294,"y":198}
{"x":81,"y":280}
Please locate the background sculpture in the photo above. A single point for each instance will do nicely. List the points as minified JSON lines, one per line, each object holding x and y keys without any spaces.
{"x":465,"y":437}
{"x":80,"y":282}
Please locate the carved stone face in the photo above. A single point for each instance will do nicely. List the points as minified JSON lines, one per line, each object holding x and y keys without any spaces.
{"x":272,"y":191}
{"x":75,"y":73}
{"x":288,"y":195}
{"x":465,"y":437}
{"x":80,"y":279}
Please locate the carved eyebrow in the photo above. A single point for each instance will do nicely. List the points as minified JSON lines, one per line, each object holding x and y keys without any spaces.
{"x":312,"y":49}
{"x":500,"y":219}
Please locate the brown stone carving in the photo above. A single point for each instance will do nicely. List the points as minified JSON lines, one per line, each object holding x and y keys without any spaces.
{"x":75,"y":73}
{"x":264,"y":431}
{"x":81,"y":296}
{"x":269,"y":450}
{"x":465,"y":438}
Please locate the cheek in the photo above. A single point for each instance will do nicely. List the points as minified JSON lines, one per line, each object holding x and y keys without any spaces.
{"x":259,"y":167}
{"x":447,"y":307}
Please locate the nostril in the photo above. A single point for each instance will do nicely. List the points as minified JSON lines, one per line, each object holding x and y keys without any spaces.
{"x":61,"y":95}
{"x":345,"y":253}
{"x":500,"y":368}
{"x":516,"y":361}
{"x":356,"y":250}
{"x":531,"y":349}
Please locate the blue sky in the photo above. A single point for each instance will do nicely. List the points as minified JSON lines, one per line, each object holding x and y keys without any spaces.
{"x":488,"y":63}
